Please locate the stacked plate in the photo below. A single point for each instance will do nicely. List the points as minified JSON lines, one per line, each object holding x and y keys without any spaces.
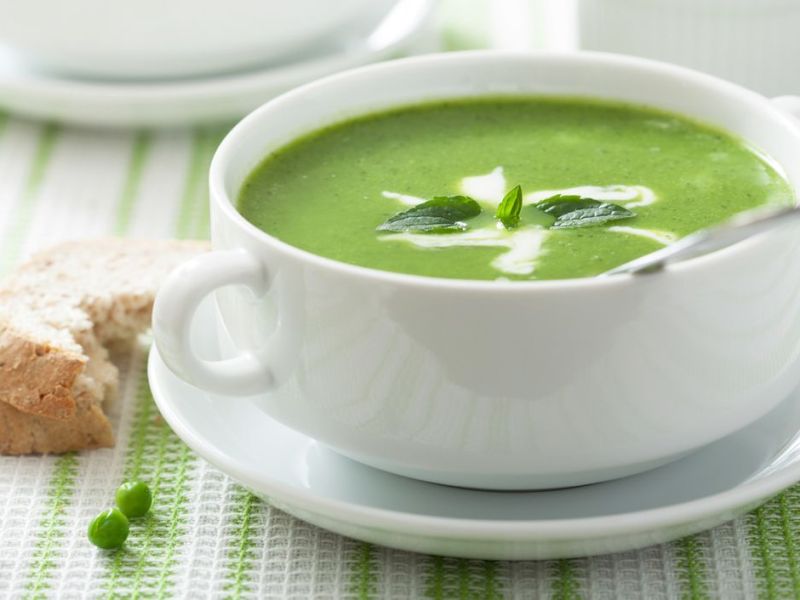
{"x":97,"y":68}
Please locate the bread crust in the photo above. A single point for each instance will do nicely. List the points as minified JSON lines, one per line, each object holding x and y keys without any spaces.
{"x":25,"y":433}
{"x":35,"y":378}
{"x":58,"y":311}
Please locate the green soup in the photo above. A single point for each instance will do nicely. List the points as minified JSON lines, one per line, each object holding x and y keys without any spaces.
{"x":328,"y":192}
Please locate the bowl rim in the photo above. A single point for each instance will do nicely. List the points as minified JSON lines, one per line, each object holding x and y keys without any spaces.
{"x":223,"y":158}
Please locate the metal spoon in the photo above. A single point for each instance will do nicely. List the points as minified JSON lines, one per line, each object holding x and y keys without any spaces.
{"x":735,"y":230}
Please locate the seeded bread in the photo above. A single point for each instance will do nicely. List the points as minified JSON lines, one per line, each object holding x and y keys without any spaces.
{"x":59,"y":314}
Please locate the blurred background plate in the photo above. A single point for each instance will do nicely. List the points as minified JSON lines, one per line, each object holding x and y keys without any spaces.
{"x":392,"y":28}
{"x":151,"y":39}
{"x":751,"y":42}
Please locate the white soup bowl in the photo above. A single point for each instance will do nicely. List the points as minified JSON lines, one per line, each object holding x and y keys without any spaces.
{"x":489,"y":384}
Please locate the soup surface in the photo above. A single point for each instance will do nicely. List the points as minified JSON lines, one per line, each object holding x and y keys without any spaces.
{"x":662,"y":176}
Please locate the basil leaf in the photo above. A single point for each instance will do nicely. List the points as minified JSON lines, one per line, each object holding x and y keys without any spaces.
{"x":572,"y":212}
{"x":509,"y":209}
{"x":442,"y":214}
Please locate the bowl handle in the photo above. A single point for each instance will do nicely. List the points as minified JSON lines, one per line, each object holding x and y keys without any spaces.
{"x":174,"y":310}
{"x":790,"y":104}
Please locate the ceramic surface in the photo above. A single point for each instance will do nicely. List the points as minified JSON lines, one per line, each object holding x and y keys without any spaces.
{"x":753,"y":43}
{"x":179,"y":38}
{"x":390,"y":28}
{"x":503,"y":385}
{"x":301,"y":476}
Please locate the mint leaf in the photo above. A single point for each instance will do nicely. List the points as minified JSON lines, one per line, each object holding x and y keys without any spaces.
{"x":442,"y":214}
{"x":559,"y":205}
{"x":587,"y":217}
{"x":572,"y":212}
{"x":509,"y":209}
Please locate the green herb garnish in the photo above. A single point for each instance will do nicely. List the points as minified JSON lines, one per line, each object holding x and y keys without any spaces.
{"x":572,"y":212}
{"x":442,"y":214}
{"x":509,"y":209}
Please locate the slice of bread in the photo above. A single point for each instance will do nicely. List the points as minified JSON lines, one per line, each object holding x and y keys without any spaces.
{"x":59,"y":314}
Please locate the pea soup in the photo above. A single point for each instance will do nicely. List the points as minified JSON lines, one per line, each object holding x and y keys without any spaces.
{"x":505,"y":188}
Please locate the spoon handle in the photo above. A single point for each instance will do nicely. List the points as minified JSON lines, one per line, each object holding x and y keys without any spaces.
{"x":708,"y":240}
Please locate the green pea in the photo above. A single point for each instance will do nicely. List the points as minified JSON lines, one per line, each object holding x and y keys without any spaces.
{"x":134,"y":498}
{"x":109,"y":529}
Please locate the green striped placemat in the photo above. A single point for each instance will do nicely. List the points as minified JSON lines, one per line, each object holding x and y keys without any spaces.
{"x":207,"y":536}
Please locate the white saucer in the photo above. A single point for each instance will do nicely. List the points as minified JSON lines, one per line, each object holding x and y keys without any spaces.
{"x":298,"y":475}
{"x":396,"y":27}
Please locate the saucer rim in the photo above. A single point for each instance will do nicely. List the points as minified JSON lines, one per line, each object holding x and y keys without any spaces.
{"x":732,"y":501}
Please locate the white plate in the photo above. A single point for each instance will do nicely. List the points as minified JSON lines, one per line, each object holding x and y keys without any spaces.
{"x":397,"y":27}
{"x":298,"y":475}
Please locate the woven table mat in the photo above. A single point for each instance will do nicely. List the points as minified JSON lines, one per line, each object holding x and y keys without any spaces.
{"x":208,"y":537}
